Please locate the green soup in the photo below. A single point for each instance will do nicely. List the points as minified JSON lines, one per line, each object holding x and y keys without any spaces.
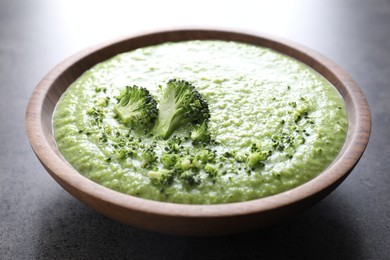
{"x":259,"y":100}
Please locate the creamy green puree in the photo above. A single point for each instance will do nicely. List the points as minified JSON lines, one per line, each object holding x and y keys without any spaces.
{"x":260,"y":102}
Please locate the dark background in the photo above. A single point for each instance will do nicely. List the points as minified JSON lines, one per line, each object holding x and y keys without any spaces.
{"x":38,"y":219}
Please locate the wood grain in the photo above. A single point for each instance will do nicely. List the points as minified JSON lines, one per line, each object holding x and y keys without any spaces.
{"x":193,"y":219}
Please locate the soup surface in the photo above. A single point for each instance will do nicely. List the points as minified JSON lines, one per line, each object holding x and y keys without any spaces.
{"x":274,"y":124}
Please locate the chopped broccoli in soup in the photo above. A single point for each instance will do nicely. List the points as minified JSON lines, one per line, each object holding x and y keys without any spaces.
{"x":200,"y":122}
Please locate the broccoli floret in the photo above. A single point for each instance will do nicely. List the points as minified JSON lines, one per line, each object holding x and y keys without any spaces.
{"x":258,"y":154}
{"x":211,"y":169}
{"x":148,"y":157}
{"x":254,"y":160}
{"x":169,"y":160}
{"x":97,"y":115}
{"x":162,"y":176}
{"x":200,"y":133}
{"x":185,"y":163}
{"x":191,"y":178}
{"x":136,"y":107}
{"x":203,"y":157}
{"x":122,"y":153}
{"x":180,"y":105}
{"x":173,"y":145}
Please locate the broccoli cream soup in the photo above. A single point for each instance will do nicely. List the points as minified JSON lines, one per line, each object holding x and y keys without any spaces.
{"x":200,"y":122}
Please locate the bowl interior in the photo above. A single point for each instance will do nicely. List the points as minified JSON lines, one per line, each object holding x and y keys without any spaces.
{"x":179,"y":219}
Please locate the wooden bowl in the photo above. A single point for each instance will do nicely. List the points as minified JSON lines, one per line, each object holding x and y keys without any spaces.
{"x":193,"y":219}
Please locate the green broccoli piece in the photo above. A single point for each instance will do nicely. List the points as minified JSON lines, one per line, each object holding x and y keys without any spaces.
{"x":97,"y":115}
{"x":254,"y":160}
{"x":136,"y":107}
{"x":211,"y":169}
{"x":162,"y":176}
{"x":190,"y":178}
{"x":180,"y":105}
{"x":169,"y":160}
{"x":206,"y":156}
{"x":122,"y":153}
{"x":148,"y":157}
{"x":173,"y":145}
{"x":200,"y":133}
{"x":184,"y":164}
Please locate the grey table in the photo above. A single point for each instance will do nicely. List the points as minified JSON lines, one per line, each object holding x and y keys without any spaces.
{"x":38,"y":219}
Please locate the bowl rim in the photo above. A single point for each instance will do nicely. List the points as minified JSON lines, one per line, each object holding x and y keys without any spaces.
{"x":62,"y":172}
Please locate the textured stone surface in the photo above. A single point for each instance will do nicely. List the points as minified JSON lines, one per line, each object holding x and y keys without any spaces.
{"x":38,"y":219}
